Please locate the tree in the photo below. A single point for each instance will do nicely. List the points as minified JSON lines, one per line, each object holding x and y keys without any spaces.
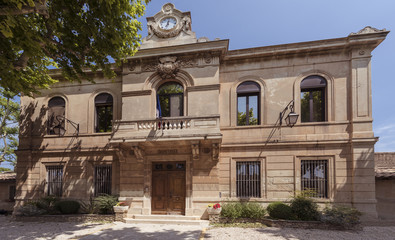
{"x":9,"y":128}
{"x":242,"y":118}
{"x":73,"y":35}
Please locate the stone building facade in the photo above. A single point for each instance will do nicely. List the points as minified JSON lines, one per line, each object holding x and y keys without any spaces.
{"x":385,"y":184}
{"x":188,"y":122}
{"x":7,"y":191}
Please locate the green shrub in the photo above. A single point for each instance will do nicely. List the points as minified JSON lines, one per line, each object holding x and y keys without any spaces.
{"x":280,"y":210}
{"x":105,"y":203}
{"x":68,"y":206}
{"x":253,"y":210}
{"x":304,"y":208}
{"x":46,"y":204}
{"x":234,"y":210}
{"x":343,"y":216}
{"x":29,"y":210}
{"x":89,"y":207}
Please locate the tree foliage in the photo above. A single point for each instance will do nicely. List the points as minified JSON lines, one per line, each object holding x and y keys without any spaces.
{"x":9,"y":128}
{"x":73,"y":35}
{"x":242,"y":118}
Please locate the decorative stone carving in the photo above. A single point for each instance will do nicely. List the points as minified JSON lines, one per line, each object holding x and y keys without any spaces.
{"x":195,"y":151}
{"x":183,"y":23}
{"x":132,"y":66}
{"x":168,"y":67}
{"x":368,"y":30}
{"x":208,"y":58}
{"x":187,"y":62}
{"x":215,"y":151}
{"x":149,"y":67}
{"x":186,"y":24}
{"x":121,"y":155}
{"x":138,"y":153}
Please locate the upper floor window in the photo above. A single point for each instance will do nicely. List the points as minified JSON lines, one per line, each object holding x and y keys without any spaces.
{"x":248,"y":104}
{"x":312,"y":99}
{"x":104,"y":112}
{"x":56,"y":114}
{"x":170,"y":100}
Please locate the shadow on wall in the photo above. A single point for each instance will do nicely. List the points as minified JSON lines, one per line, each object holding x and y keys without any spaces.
{"x":78,"y":163}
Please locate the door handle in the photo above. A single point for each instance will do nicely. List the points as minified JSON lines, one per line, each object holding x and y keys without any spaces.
{"x":171,"y":194}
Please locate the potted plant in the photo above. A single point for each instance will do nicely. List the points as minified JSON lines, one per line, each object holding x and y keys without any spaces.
{"x":121,"y":207}
{"x":214,"y":208}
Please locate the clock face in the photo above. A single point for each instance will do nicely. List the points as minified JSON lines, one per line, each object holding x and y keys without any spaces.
{"x":168,"y":23}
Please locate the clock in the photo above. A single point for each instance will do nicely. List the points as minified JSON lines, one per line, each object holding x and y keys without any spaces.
{"x":168,"y":23}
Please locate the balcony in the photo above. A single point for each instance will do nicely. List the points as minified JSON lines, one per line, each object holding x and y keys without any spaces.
{"x":167,"y":129}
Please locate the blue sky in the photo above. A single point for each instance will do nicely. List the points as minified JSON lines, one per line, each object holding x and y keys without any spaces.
{"x":254,"y":23}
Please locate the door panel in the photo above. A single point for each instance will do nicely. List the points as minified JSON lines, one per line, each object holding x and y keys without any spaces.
{"x":168,"y":189}
{"x":159,"y":189}
{"x":177,"y":192}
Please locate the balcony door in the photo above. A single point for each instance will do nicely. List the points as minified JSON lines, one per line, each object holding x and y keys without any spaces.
{"x":170,"y":100}
{"x":168,"y":188}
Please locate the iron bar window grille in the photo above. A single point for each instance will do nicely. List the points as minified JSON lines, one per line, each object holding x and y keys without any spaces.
{"x":54,"y":179}
{"x":103,"y":177}
{"x":315,"y":177}
{"x":248,"y":179}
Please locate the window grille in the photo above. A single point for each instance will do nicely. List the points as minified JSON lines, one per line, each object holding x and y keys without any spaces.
{"x":315,"y":177}
{"x":103,"y":176}
{"x":12,"y":191}
{"x":55,"y":175}
{"x":248,"y":179}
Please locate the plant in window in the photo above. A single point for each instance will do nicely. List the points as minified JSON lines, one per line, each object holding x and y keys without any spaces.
{"x":312,"y":99}
{"x":248,"y":103}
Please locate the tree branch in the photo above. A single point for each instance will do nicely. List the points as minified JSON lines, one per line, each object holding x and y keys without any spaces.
{"x":22,"y":61}
{"x":40,"y":8}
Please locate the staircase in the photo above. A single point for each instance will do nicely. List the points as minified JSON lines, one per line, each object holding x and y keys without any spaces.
{"x":166,"y":219}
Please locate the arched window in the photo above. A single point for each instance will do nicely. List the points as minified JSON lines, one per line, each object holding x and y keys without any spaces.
{"x":104,"y":112}
{"x":56,"y":114}
{"x":312,"y":99}
{"x":248,"y":103}
{"x":170,"y":100}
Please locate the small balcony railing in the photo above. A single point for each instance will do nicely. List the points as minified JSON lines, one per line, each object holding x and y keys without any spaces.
{"x":172,"y":127}
{"x":165,"y":124}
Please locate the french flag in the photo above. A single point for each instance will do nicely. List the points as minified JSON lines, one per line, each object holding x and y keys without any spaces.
{"x":158,"y":108}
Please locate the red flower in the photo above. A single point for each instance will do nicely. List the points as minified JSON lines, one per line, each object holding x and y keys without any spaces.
{"x":216,"y":206}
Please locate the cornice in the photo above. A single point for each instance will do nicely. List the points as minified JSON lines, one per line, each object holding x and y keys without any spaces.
{"x":136,"y":93}
{"x":203,"y":88}
{"x":369,"y":40}
{"x":211,"y":46}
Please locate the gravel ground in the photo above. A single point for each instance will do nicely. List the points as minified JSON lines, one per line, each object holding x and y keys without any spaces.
{"x":382,"y":233}
{"x":92,"y":231}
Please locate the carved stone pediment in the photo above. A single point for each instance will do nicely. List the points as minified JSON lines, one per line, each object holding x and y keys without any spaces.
{"x":368,"y":30}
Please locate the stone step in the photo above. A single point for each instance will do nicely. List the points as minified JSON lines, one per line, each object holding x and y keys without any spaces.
{"x":165,"y":217}
{"x":203,"y":223}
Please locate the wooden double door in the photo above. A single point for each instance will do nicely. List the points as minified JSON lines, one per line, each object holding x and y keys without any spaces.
{"x":168,"y":188}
